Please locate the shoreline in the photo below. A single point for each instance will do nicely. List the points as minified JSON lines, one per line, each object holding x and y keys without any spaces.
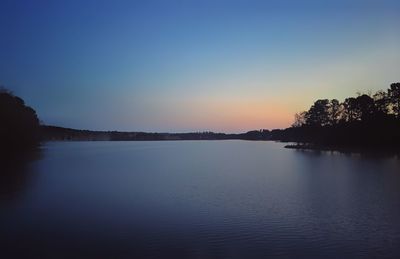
{"x":370,"y":150}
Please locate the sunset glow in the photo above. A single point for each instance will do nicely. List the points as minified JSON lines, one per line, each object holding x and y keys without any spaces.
{"x":227,"y":66}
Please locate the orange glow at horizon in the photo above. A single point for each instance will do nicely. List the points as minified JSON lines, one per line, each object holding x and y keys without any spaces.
{"x":230,"y":114}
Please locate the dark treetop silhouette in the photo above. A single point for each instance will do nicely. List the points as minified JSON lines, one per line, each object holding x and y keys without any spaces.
{"x":19,"y":124}
{"x":365,"y":121}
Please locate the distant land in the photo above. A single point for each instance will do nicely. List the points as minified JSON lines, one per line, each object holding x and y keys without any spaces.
{"x":54,"y":133}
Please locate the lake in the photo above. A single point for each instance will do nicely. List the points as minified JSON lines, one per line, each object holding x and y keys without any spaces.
{"x":199,"y":199}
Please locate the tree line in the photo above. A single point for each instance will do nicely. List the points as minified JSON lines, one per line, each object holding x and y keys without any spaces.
{"x":53,"y":133}
{"x":324,"y":112}
{"x":368,"y":120}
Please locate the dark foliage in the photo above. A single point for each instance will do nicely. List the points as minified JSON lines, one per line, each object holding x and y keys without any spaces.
{"x":360,"y":122}
{"x":19,"y":124}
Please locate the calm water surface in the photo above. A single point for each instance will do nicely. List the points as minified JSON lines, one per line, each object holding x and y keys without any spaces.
{"x":199,"y":199}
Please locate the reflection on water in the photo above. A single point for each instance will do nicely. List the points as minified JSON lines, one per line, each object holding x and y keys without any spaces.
{"x":15,"y":174}
{"x":201,"y":199}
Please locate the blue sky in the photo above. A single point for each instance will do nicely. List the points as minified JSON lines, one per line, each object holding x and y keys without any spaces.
{"x":193,"y":65}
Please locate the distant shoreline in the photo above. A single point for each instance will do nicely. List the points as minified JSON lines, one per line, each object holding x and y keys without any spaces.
{"x":54,"y":133}
{"x":60,"y":134}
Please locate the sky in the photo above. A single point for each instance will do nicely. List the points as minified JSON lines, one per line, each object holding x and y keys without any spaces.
{"x":180,"y":66}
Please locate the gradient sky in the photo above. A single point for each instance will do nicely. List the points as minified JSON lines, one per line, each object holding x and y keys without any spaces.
{"x":182,"y":66}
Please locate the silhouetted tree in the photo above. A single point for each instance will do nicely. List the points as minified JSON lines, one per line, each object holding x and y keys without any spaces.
{"x":299,"y":119}
{"x":350,"y":112}
{"x":364,"y":107}
{"x":394,"y":95}
{"x":334,"y":111}
{"x":19,"y":124}
{"x":381,"y":101}
{"x":318,"y":114}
